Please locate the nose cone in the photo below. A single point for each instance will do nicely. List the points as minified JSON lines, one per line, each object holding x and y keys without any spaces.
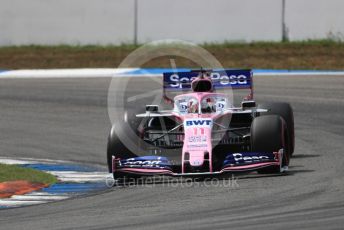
{"x":196,"y":158}
{"x":197,"y":146}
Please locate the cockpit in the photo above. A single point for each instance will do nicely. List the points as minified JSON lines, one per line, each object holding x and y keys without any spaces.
{"x":211,"y":103}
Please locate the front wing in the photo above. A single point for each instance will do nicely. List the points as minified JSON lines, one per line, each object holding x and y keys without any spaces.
{"x":233,"y":163}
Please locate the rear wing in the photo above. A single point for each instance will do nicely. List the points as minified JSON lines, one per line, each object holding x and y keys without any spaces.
{"x":221,"y":79}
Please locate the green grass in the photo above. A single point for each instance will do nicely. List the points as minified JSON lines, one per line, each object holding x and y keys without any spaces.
{"x":13,"y":172}
{"x":313,"y":54}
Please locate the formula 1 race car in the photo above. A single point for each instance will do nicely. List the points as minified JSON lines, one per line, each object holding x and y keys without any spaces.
{"x":204,"y":134}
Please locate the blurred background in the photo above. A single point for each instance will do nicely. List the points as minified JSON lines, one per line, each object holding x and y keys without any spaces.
{"x":104,"y":22}
{"x":298,"y":34}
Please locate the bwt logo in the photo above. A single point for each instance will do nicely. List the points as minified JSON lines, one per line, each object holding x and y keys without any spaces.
{"x":198,"y":123}
{"x":222,"y":80}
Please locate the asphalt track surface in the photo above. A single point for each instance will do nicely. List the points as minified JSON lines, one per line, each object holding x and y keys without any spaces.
{"x":67,"y":119}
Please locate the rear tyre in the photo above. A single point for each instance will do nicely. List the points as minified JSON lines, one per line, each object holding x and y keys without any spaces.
{"x":286,"y":112}
{"x":268,"y":135}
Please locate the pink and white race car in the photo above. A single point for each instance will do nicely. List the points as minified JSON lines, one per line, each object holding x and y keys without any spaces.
{"x":204,"y":134}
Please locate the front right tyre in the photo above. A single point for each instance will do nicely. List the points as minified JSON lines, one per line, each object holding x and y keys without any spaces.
{"x":268,"y":134}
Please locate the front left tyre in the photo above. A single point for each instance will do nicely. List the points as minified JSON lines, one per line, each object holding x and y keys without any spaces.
{"x":116,"y":148}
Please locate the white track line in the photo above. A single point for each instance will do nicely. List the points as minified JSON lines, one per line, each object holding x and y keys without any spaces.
{"x":96,"y":173}
{"x":125,"y":72}
{"x":80,"y":177}
{"x":16,"y":203}
{"x":33,"y":197}
{"x":303,"y":73}
{"x":81,"y":180}
{"x":8,"y":160}
{"x":30,"y":199}
{"x":16,"y":162}
{"x":64,"y":73}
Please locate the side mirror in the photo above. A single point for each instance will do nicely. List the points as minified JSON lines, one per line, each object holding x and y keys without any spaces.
{"x":152,"y":108}
{"x":248,"y":104}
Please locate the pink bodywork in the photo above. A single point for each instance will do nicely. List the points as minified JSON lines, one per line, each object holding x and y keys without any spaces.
{"x":198,"y":148}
